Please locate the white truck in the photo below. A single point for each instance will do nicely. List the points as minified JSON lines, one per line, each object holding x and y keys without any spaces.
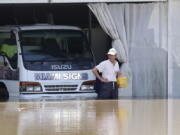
{"x":44,"y":59}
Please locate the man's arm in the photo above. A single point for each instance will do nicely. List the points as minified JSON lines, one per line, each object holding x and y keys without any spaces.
{"x":118,"y":68}
{"x":95,"y":71}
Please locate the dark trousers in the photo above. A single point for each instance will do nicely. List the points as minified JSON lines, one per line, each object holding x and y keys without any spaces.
{"x":108,"y":91}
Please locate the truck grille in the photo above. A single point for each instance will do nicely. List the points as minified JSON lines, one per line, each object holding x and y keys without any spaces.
{"x":60,"y":88}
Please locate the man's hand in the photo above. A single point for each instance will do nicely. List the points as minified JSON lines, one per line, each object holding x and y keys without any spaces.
{"x":104,"y":80}
{"x":119,"y":73}
{"x":94,"y":70}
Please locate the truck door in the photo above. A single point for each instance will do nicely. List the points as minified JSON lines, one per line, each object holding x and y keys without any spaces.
{"x":9,"y":76}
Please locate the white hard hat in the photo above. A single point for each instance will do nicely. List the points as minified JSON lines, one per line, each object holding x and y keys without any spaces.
{"x":112,"y":51}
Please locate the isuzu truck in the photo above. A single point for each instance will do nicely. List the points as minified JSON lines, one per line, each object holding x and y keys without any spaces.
{"x":44,"y":59}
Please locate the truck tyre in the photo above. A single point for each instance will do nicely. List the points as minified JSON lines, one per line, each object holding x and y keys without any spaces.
{"x":3,"y":92}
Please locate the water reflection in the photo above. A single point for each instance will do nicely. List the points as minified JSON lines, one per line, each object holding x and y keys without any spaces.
{"x":93,"y":117}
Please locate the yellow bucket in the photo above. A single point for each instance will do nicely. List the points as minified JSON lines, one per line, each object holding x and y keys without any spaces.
{"x":122,"y":82}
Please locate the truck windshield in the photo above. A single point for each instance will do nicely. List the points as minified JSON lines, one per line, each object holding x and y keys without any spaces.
{"x":55,"y":47}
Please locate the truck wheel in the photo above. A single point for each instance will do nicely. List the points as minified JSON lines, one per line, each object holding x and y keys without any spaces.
{"x":3,"y":92}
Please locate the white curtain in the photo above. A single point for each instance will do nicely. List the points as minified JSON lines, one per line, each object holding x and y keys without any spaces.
{"x":104,"y":15}
{"x":139,"y":33}
{"x":106,"y":21}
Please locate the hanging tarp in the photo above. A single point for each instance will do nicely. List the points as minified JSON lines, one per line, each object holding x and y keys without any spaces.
{"x":139,"y":33}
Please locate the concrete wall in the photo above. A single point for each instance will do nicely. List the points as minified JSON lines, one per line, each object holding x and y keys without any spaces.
{"x":174,"y":49}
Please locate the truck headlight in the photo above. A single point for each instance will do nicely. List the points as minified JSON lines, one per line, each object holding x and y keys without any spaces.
{"x":88,"y":85}
{"x":30,"y":87}
{"x":37,"y":88}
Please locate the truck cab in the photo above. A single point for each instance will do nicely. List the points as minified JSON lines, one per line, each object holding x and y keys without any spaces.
{"x":45,"y":59}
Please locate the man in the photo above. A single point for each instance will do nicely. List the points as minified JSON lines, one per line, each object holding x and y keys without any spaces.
{"x":109,"y":69}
